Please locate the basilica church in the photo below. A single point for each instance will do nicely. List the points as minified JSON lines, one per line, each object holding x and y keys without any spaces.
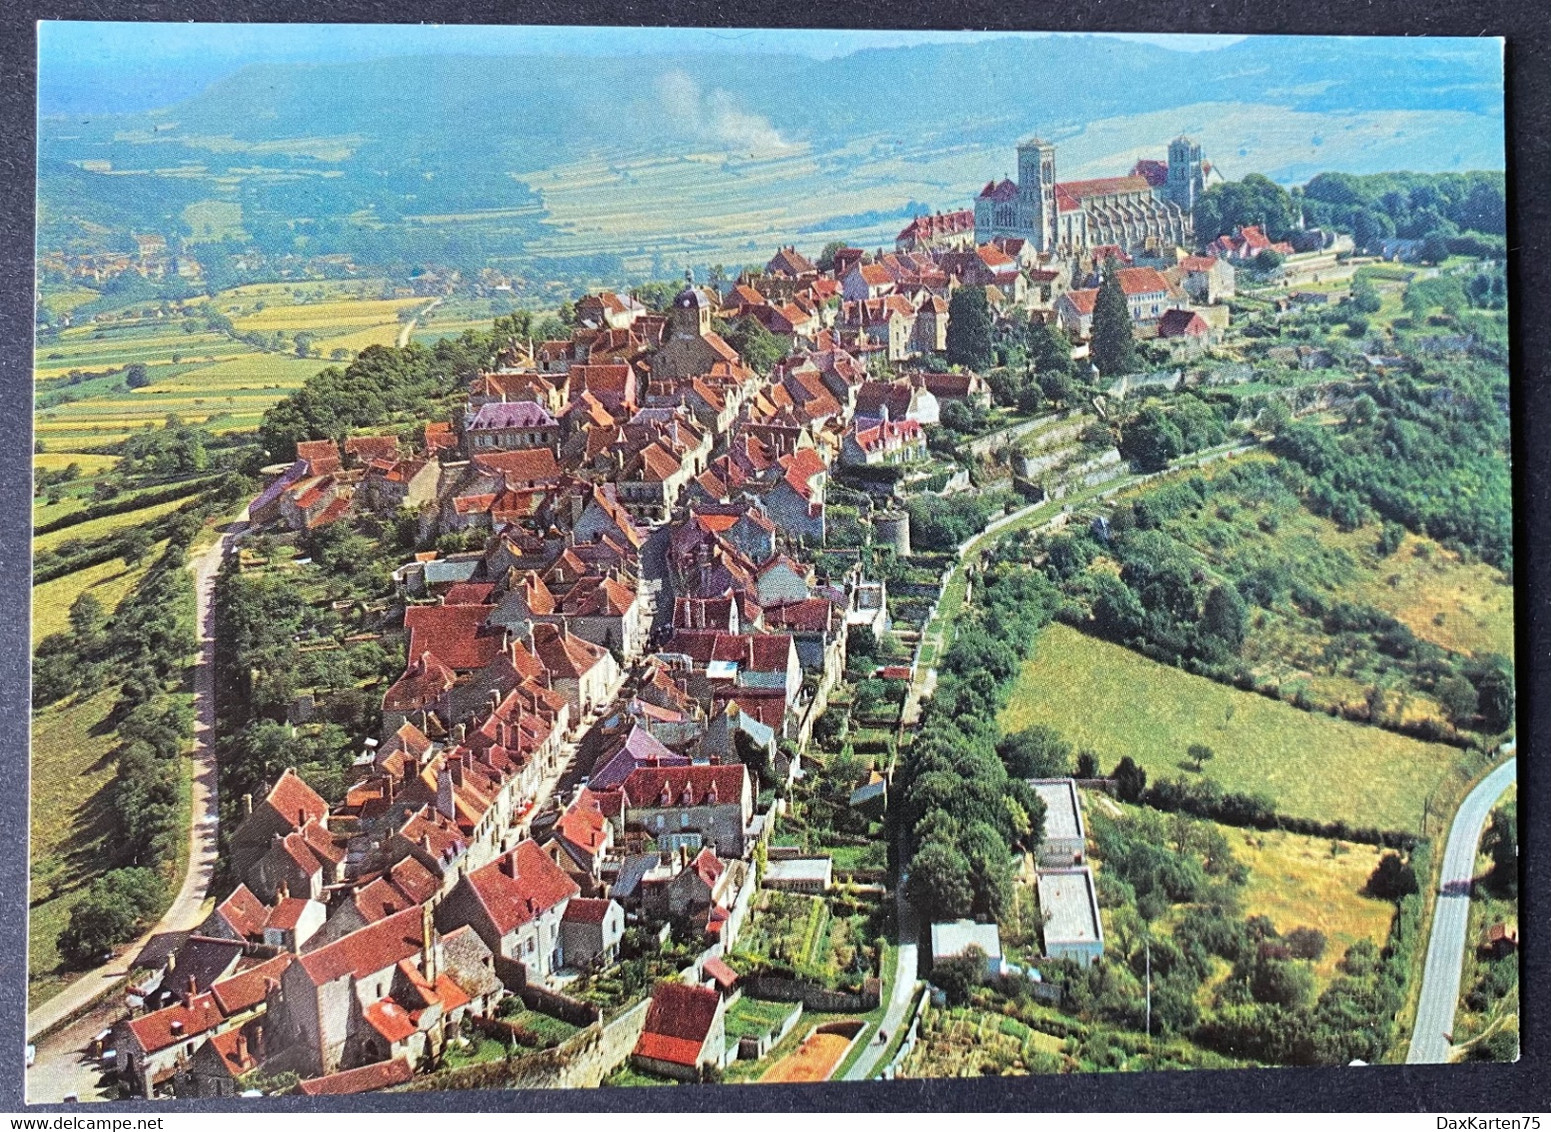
{"x":1145,"y":213}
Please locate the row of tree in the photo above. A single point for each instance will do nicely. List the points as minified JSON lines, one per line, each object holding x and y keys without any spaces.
{"x":963,"y":808}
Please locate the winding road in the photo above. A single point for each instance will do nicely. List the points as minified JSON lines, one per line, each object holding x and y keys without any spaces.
{"x":187,"y":908}
{"x":1451,"y":916}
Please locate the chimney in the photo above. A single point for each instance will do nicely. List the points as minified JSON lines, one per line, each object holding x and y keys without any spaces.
{"x":427,"y":944}
{"x":193,"y":986}
{"x":247,"y":805}
{"x":285,"y":890}
{"x":172,"y":962}
{"x":242,"y":1048}
{"x":509,"y":865}
{"x":177,"y":1028}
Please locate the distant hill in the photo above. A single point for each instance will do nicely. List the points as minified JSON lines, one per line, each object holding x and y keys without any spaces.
{"x":584,"y":156}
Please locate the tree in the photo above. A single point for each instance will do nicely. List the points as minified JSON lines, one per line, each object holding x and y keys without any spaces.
{"x":1458,"y":698}
{"x":969,"y":329}
{"x":1035,"y":752}
{"x":1306,"y":943}
{"x":940,"y":883}
{"x":1130,"y":780}
{"x":118,"y":904}
{"x":1268,"y":261}
{"x":1151,"y":439}
{"x":87,"y":619}
{"x":1113,"y":347}
{"x":1501,"y":844}
{"x":136,"y":376}
{"x":1256,"y":200}
{"x":959,"y":976}
{"x":133,"y":545}
{"x":303,"y":343}
{"x":1200,"y":754}
{"x":1223,"y":617}
{"x":758,"y":348}
{"x":1493,"y":677}
{"x":1392,"y":878}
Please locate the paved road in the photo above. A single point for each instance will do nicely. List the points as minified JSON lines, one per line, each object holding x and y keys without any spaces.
{"x":1451,"y":915}
{"x":906,"y":964}
{"x":187,"y":908}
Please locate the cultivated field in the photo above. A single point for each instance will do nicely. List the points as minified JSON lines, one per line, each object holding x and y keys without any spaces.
{"x":815,"y":1059}
{"x":109,"y":582}
{"x":1117,"y":702}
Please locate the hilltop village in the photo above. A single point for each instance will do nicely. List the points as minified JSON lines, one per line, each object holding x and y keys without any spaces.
{"x":638,"y":614}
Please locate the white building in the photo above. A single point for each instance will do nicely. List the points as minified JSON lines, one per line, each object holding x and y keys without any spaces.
{"x":952,"y":939}
{"x":1065,"y":841}
{"x":1070,"y":910}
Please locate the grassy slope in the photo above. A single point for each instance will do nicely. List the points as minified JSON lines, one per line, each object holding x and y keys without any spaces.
{"x":71,"y":822}
{"x":109,"y":582}
{"x":1106,"y":697}
{"x":1299,"y":881}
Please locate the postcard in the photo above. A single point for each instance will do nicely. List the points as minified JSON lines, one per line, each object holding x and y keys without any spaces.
{"x":584,"y":557}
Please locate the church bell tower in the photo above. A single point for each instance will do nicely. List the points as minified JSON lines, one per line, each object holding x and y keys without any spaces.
{"x":1037,"y":192}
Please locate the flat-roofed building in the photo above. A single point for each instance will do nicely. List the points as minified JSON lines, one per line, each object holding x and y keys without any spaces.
{"x":1070,"y":911}
{"x":812,"y":875}
{"x":1065,"y":840}
{"x":953,"y":938}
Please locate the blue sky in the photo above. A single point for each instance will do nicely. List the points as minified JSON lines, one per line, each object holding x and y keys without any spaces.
{"x":102,"y":67}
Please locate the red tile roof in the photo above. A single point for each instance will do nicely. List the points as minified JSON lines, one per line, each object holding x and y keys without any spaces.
{"x":1104,"y":187}
{"x":173,"y":1024}
{"x":678,"y":1022}
{"x":718,"y":971}
{"x":1082,"y":300}
{"x":390,"y":1020}
{"x":244,"y":912}
{"x":512,"y":900}
{"x":523,"y":466}
{"x":565,"y":654}
{"x":361,"y":1080}
{"x":587,"y":911}
{"x":373,"y":948}
{"x":702,"y":785}
{"x":247,"y":989}
{"x":1142,"y":280}
{"x":454,"y":633}
{"x":1182,"y":323}
{"x":295,"y":801}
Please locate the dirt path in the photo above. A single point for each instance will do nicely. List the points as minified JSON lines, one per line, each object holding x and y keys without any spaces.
{"x":409,"y":327}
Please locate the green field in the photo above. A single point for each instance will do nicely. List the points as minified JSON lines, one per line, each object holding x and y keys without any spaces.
{"x":1117,"y":702}
{"x":109,"y":582}
{"x":107,"y":526}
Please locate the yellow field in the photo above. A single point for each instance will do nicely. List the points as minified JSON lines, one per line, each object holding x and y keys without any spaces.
{"x":1295,"y":881}
{"x":90,"y":462}
{"x":307,"y":316}
{"x":382,"y":334}
{"x":107,"y":526}
{"x":109,"y":582}
{"x":1466,"y":607}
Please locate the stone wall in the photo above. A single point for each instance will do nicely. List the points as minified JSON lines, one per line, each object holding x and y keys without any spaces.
{"x":581,"y":1062}
{"x":811,"y":995}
